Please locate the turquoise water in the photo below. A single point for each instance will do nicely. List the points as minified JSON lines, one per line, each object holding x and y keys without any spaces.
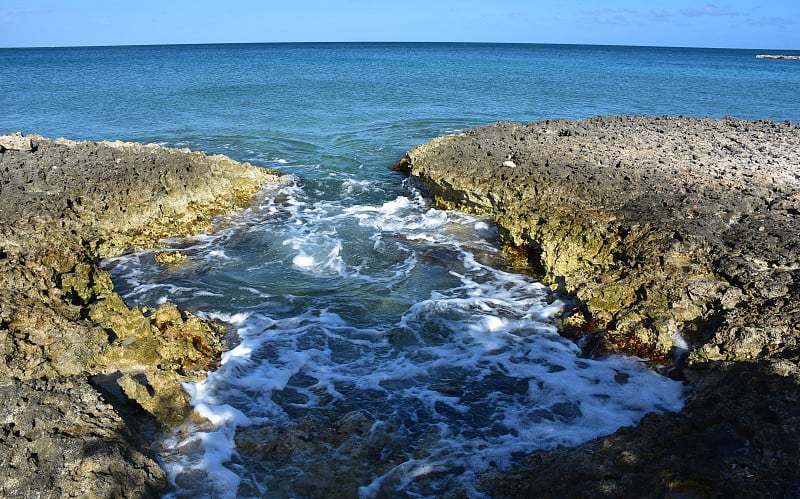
{"x":378,"y":347}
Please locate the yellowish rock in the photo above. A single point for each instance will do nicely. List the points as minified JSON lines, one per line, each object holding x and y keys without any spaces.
{"x":169,"y":257}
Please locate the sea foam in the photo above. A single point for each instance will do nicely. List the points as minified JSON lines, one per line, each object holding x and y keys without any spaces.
{"x":381,"y":334}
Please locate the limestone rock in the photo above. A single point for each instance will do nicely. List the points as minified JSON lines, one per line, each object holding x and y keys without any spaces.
{"x":169,"y":257}
{"x":66,"y":336}
{"x":679,"y":239}
{"x":15,"y":142}
{"x":158,"y":392}
{"x":657,"y":225}
{"x":58,"y":438}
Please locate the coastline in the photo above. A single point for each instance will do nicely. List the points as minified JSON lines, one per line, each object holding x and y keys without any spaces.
{"x":683,"y":211}
{"x":677,"y":237}
{"x":85,"y":377}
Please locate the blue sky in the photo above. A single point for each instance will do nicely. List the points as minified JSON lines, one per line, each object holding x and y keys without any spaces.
{"x":724,"y":23}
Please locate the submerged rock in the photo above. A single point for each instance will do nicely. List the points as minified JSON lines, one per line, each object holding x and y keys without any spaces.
{"x":81,"y":373}
{"x":169,"y":257}
{"x":679,"y":239}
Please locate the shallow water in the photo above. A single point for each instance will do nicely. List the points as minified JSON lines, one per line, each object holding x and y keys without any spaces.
{"x":378,"y":347}
{"x":381,"y":350}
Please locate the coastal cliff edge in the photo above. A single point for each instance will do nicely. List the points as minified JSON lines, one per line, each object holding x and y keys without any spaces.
{"x":82,"y":376}
{"x":679,"y":240}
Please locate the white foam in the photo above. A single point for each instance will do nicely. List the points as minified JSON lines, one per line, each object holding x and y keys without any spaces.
{"x":240,"y":350}
{"x":235,"y":319}
{"x":385,"y":309}
{"x":680,"y":343}
{"x":304,"y":261}
{"x":207,"y":469}
{"x":222,"y":414}
{"x":353,"y":187}
{"x":320,"y":253}
{"x":218,"y":254}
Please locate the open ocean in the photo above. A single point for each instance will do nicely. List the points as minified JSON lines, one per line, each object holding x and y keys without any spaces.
{"x":379,"y":348}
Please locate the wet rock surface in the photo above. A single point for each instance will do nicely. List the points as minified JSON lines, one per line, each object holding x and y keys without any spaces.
{"x":83,"y":376}
{"x":679,"y":239}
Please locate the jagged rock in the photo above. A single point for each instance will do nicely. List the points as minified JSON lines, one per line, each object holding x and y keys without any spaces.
{"x":58,"y":438}
{"x":169,"y":257}
{"x":657,"y":225}
{"x":66,"y":336}
{"x":15,"y":142}
{"x":680,"y":240}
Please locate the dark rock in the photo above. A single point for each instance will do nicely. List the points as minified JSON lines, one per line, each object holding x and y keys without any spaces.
{"x":58,"y":438}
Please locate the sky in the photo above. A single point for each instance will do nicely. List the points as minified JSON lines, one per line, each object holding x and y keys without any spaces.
{"x":678,"y":23}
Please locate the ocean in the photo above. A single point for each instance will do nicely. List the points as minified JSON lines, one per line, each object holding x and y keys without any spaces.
{"x":378,"y":347}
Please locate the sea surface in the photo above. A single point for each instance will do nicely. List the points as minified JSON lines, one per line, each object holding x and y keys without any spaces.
{"x":378,"y":347}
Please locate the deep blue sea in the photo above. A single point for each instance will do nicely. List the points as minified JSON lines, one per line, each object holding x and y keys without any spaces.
{"x":378,"y":347}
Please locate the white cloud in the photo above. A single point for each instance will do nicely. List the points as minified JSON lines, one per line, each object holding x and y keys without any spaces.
{"x":610,"y":16}
{"x":709,"y":10}
{"x":771,"y":21}
{"x":660,"y":14}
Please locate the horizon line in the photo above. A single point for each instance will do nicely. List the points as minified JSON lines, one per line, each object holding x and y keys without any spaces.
{"x":156,"y":44}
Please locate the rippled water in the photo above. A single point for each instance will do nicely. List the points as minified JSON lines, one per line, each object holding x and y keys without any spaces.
{"x":380,"y":350}
{"x":378,"y":347}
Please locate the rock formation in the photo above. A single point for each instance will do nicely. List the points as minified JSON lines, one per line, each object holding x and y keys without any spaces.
{"x":82,"y":376}
{"x":678,"y":239}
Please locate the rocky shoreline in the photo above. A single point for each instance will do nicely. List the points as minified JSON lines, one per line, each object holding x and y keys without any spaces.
{"x":677,"y":237}
{"x":679,"y":240}
{"x":83,"y":377}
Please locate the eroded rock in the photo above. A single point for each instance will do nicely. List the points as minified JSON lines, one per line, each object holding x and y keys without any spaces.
{"x":59,"y":438}
{"x":65,"y":333}
{"x":15,"y":142}
{"x":680,"y":239}
{"x":658,"y":226}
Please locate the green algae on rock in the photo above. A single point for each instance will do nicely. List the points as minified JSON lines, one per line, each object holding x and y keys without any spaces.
{"x":65,"y":333}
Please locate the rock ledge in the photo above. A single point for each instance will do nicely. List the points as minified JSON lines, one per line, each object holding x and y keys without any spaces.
{"x":680,"y":240}
{"x":82,"y":375}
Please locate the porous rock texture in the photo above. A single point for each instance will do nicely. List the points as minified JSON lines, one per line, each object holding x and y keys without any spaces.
{"x":679,"y":240}
{"x":82,"y":376}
